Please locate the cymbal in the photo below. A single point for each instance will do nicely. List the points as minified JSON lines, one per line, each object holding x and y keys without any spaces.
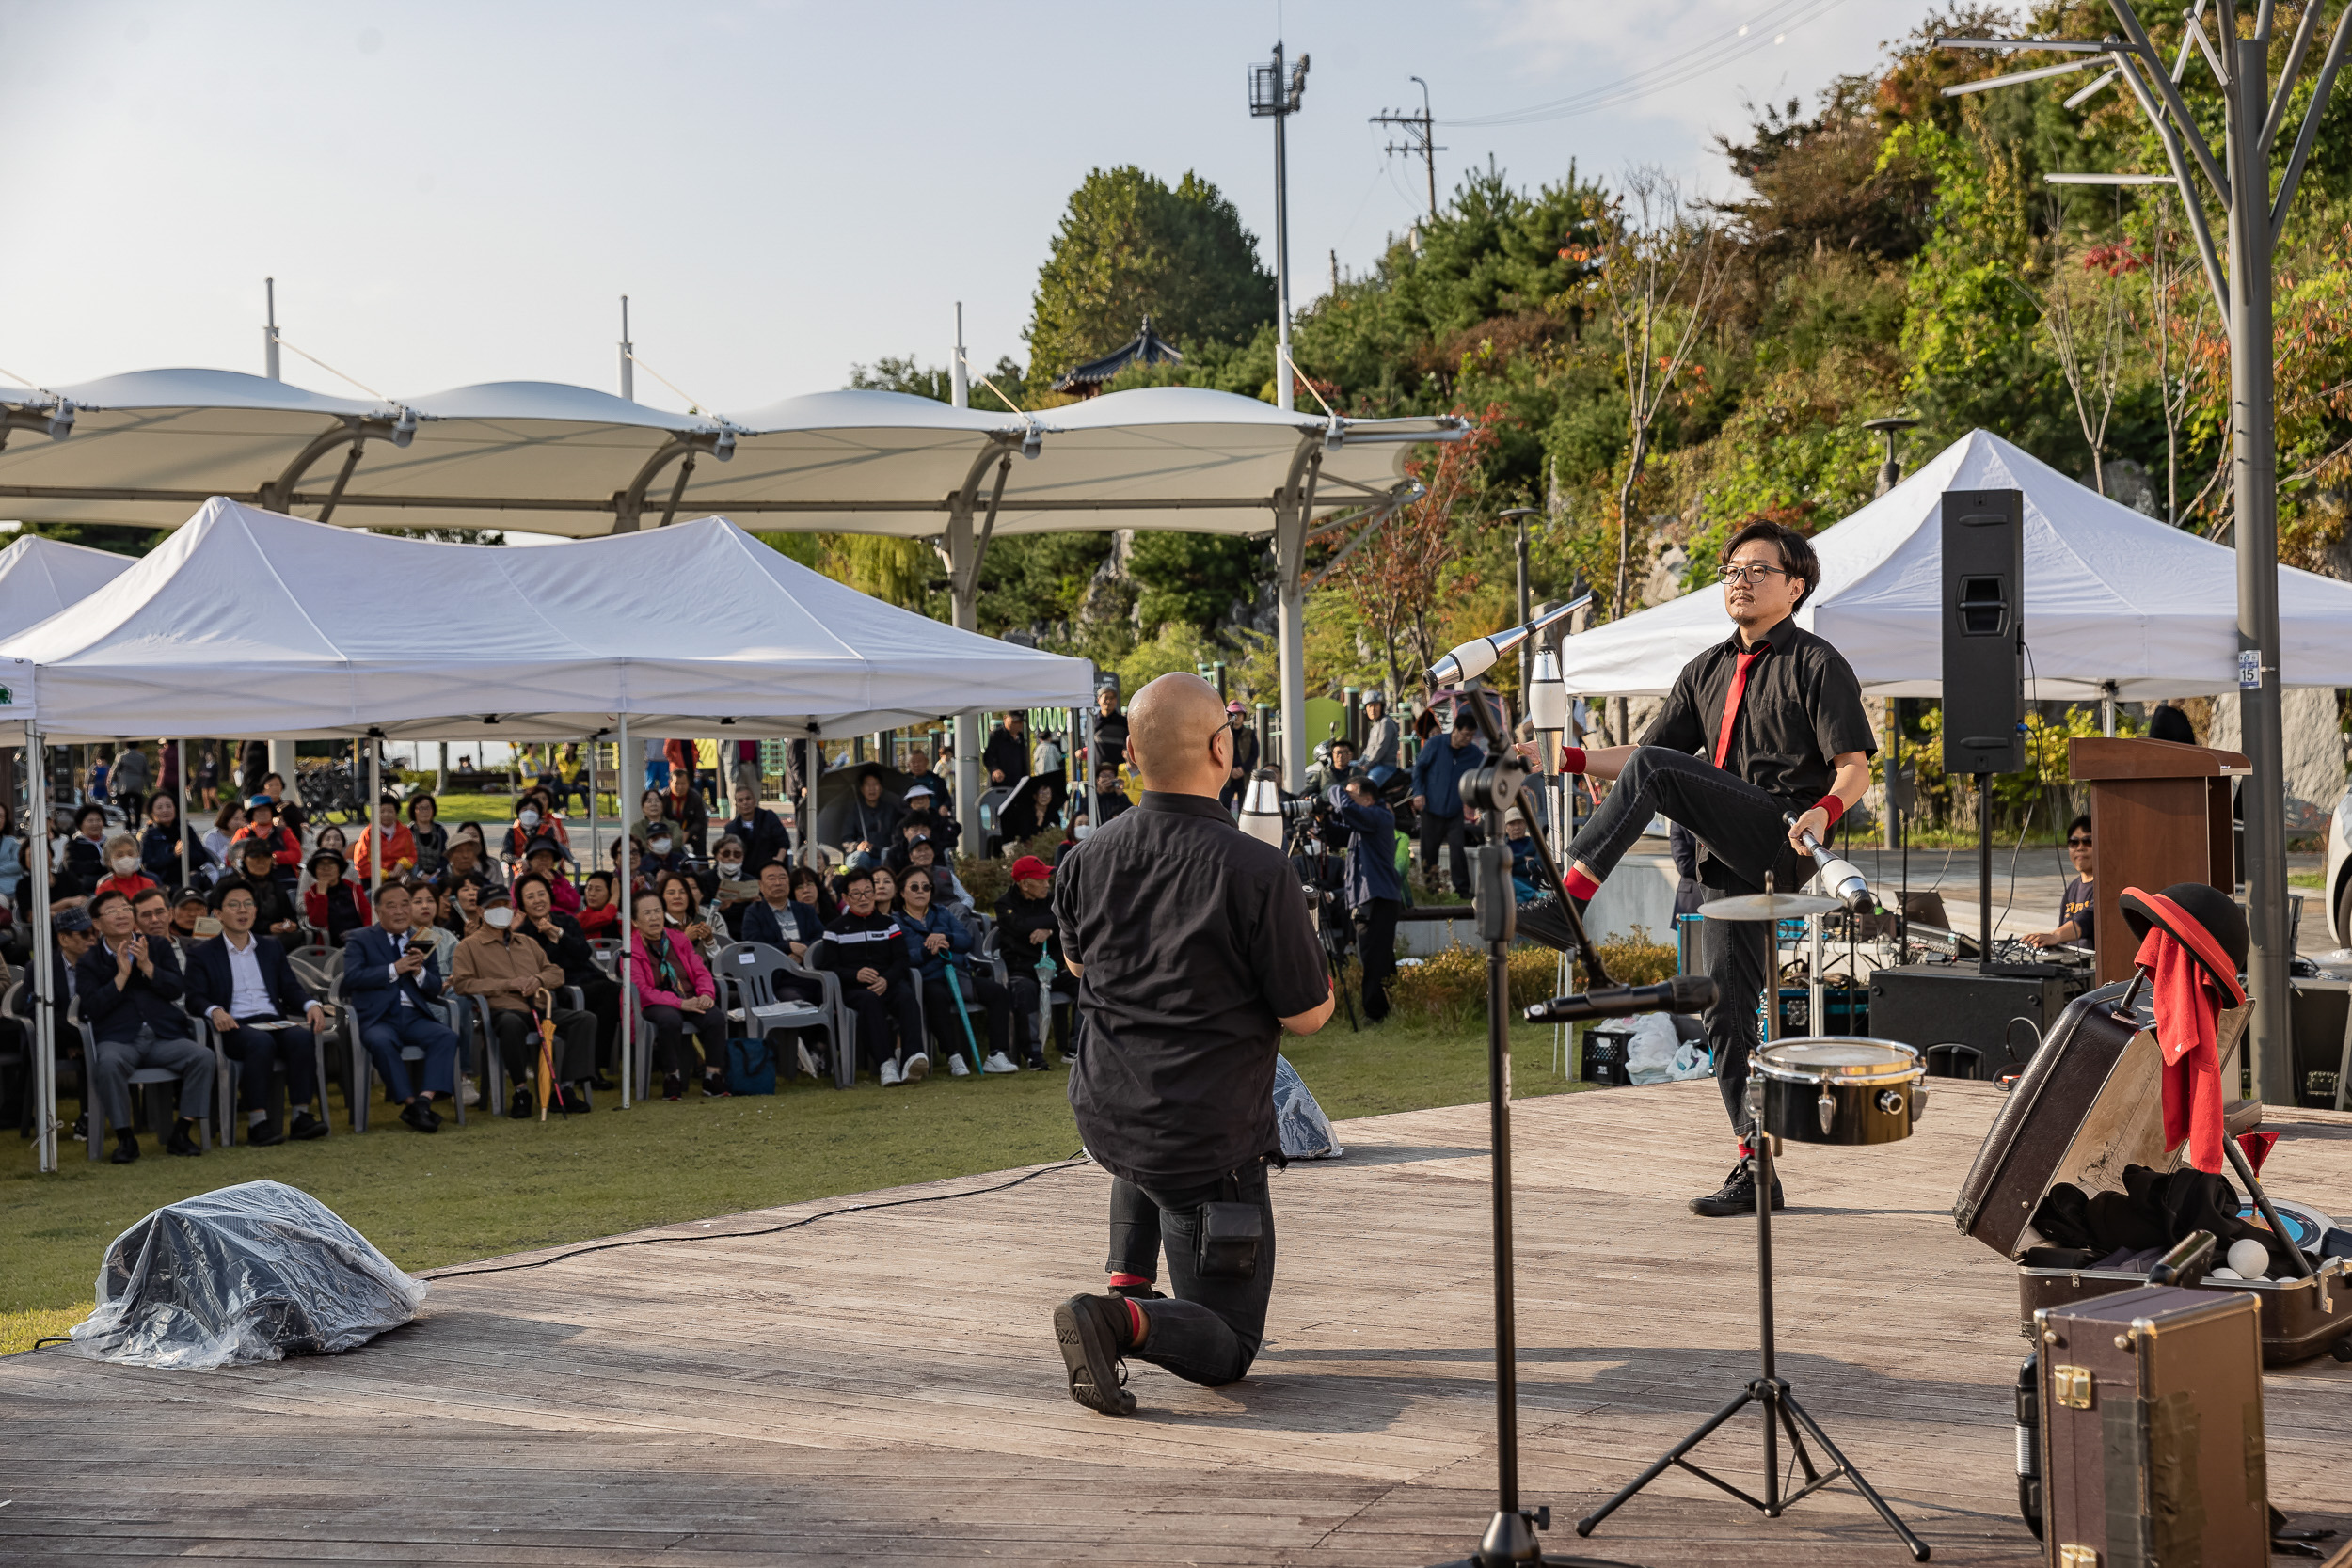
{"x":1768,"y":905}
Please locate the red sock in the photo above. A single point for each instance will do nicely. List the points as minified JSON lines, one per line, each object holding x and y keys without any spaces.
{"x":1571,"y":759}
{"x":1745,"y":1152}
{"x":1134,"y":1321}
{"x":1121,"y":1281}
{"x":1579,"y":885}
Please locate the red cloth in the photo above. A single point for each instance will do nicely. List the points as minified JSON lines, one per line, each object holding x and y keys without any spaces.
{"x":2256,"y":1147}
{"x":2188,"y":1008}
{"x":1731,"y":700}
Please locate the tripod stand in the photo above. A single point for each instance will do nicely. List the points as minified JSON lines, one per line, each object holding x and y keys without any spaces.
{"x":1782,"y":1412}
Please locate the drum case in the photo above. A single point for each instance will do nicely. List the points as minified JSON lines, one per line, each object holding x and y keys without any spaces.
{"x":2089,"y":1103}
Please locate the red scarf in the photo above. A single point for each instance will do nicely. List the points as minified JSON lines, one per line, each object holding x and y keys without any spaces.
{"x":2187,"y":1007}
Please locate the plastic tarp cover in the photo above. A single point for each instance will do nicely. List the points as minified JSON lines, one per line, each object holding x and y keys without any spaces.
{"x":1306,"y":1131}
{"x":250,"y":1272}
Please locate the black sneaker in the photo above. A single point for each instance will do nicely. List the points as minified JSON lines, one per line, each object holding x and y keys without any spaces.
{"x":572,"y":1103}
{"x":520,"y":1104}
{"x":305,"y":1126}
{"x":181,"y":1143}
{"x":419,"y":1116}
{"x":673,"y":1086}
{"x":265,"y":1135}
{"x":1093,"y":1330}
{"x":1036,"y":1062}
{"x":1543,"y":921}
{"x":126,"y":1148}
{"x":1736,"y":1195}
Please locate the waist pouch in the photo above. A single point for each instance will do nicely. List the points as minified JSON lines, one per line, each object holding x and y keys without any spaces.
{"x":1228,"y":1237}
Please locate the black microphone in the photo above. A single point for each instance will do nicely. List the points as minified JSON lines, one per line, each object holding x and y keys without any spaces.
{"x":1684,"y":993}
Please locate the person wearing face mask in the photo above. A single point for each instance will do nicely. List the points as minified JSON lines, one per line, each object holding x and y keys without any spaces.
{"x":513,"y":974}
{"x":734,"y":888}
{"x":658,"y":854}
{"x":534,"y":821}
{"x":123,"y":874}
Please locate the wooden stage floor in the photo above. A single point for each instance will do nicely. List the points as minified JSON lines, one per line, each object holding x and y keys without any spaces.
{"x":884,"y":1386}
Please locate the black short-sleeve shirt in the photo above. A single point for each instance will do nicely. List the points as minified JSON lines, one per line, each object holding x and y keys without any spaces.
{"x":1194,"y":941}
{"x":1801,"y":708}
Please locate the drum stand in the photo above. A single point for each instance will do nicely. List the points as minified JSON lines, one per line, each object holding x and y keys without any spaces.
{"x":1782,"y":1412}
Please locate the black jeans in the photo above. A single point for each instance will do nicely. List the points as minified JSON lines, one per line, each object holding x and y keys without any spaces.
{"x":885,"y":1024}
{"x":948,"y":1020}
{"x":602,"y":994}
{"x":256,"y":1052}
{"x":1025,"y":1008}
{"x":1740,"y":828}
{"x":1209,"y":1330}
{"x":674,"y":1034}
{"x":1444,"y":832}
{"x":1376,"y":923}
{"x":575,"y":1043}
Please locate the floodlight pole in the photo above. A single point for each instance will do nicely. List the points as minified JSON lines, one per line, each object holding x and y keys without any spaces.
{"x":1275,"y":93}
{"x":2239,"y":180}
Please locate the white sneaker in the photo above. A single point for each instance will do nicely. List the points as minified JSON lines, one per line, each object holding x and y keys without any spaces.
{"x":918,"y":1068}
{"x":472,"y":1092}
{"x":808,"y":1062}
{"x":956,"y":1068}
{"x":996,"y":1063}
{"x":889,"y":1075}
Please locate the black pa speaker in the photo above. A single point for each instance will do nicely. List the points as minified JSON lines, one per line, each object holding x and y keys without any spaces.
{"x":1984,"y":605}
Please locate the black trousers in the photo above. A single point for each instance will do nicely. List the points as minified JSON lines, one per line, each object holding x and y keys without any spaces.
{"x":1209,"y":1329}
{"x":1445,"y":833}
{"x":1375,"y":942}
{"x":1739,"y":827}
{"x":1024,"y":1004}
{"x":602,"y":994}
{"x":575,"y":1043}
{"x":676,"y":1035}
{"x":886,"y":1024}
{"x":947,"y":1018}
{"x":258,"y":1052}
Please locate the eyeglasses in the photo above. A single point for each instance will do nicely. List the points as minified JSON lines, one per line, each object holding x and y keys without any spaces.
{"x":2078,"y":843}
{"x":1750,"y":571}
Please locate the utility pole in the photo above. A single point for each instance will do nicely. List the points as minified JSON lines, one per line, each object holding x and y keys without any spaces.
{"x":2238,"y":181}
{"x":628,"y":357}
{"x":1275,"y":94}
{"x":1420,"y":137}
{"x":269,"y":330}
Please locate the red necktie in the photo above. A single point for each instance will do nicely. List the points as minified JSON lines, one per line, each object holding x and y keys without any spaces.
{"x":1731,"y":700}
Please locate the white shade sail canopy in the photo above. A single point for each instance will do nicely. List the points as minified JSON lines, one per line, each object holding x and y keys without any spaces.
{"x":245,"y":622}
{"x":145,"y":449}
{"x":2109,"y":595}
{"x":40,"y":577}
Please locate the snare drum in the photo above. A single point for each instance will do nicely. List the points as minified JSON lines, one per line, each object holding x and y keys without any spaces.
{"x":1841,"y":1089}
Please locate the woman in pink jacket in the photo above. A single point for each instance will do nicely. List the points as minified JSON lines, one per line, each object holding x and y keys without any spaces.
{"x":680,"y":1003}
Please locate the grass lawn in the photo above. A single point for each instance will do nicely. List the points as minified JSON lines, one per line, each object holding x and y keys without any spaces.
{"x":497,"y":1187}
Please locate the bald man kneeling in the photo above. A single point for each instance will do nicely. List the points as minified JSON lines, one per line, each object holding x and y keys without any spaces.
{"x":1194,"y":951}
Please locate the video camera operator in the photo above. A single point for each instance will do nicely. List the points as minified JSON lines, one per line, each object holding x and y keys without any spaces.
{"x":1355,"y":819}
{"x":1194,"y":951}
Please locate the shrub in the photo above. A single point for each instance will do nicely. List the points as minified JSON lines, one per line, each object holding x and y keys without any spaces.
{"x":1451,"y":987}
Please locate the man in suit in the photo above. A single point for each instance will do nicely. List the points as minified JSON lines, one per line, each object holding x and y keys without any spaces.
{"x":391,"y":983}
{"x":130,"y":992}
{"x":242,"y":984}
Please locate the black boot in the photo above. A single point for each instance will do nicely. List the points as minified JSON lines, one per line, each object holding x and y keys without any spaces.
{"x":1736,"y":1195}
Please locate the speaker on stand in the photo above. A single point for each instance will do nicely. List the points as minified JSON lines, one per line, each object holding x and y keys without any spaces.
{"x":1984,"y":638}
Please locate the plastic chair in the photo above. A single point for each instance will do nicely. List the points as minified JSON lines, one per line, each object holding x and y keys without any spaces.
{"x":140,"y":1078}
{"x":363,"y":1067}
{"x":606,"y":952}
{"x":226,"y":1068}
{"x":750,"y":970}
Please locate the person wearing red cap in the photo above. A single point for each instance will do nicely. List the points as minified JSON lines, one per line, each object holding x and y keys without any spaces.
{"x":1029,"y":944}
{"x":1766,"y":723}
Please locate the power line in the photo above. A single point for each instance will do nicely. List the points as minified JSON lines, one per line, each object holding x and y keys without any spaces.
{"x":1767,"y":27}
{"x":1419,"y":139}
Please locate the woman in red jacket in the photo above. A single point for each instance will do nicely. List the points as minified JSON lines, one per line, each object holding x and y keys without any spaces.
{"x":676,"y":993}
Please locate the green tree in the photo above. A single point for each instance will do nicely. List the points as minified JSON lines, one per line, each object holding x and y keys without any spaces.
{"x":1192,"y":580}
{"x":1130,"y":246}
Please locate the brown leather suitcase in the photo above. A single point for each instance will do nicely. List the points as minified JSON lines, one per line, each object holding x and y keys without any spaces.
{"x":2089,"y":1103}
{"x":2151,"y":1431}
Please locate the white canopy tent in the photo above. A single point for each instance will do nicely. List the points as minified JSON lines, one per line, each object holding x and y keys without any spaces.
{"x":246,"y":621}
{"x":40,"y":577}
{"x":2109,"y":596}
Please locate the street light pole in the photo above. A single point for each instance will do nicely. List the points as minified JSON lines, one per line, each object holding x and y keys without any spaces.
{"x":1275,"y":94}
{"x":2254,"y":111}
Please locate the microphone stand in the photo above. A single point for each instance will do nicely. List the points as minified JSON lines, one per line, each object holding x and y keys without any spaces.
{"x":1510,"y":1538}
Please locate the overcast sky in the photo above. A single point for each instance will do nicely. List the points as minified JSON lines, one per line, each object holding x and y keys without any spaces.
{"x":455,"y":193}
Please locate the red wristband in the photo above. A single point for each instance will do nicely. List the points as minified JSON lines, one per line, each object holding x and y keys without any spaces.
{"x":1571,"y":759}
{"x":1833,"y":805}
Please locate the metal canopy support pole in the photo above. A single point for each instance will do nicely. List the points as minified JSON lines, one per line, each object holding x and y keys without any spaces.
{"x":628,"y":931}
{"x":375,"y":820}
{"x":590,"y":774}
{"x":44,"y":1021}
{"x":1290,"y":550}
{"x":964,"y":614}
{"x":181,"y":773}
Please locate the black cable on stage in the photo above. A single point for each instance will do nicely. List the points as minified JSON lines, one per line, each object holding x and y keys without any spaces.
{"x":1072,"y":1162}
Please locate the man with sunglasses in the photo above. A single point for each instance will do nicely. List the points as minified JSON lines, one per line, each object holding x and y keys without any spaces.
{"x":1769,"y":720}
{"x":2078,"y":907}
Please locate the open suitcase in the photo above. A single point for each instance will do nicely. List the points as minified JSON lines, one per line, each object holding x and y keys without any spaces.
{"x":2089,"y":1103}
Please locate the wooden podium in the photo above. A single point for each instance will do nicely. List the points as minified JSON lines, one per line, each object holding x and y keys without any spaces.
{"x":2159,"y":815}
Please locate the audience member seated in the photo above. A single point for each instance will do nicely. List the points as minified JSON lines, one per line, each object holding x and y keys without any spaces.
{"x":864,"y":947}
{"x":226,"y":824}
{"x":427,"y":907}
{"x":260,"y":822}
{"x":392,"y":978}
{"x":777,"y":919}
{"x":463,"y":912}
{"x":539,"y":860}
{"x":679,"y":1002}
{"x":486,"y":865}
{"x":83,"y":865}
{"x":810,"y":887}
{"x":123,"y":875}
{"x":400,"y":846}
{"x":657,"y":852}
{"x":1029,"y":813}
{"x":873,"y":816}
{"x":462,"y":863}
{"x":937,"y":942}
{"x":759,"y":830}
{"x":289,"y":812}
{"x":241,"y":982}
{"x":1110,"y":800}
{"x":919,"y":771}
{"x":920,"y":856}
{"x":151,"y":914}
{"x":689,"y":813}
{"x":1026,"y":932}
{"x":333,"y":905}
{"x":160,"y":845}
{"x":734,"y":887}
{"x":885,"y":889}
{"x":599,"y":914}
{"x":536,"y":819}
{"x":512,"y":974}
{"x":927,"y":804}
{"x":130,"y":991}
{"x":560,"y":937}
{"x":682,"y":906}
{"x":190,"y":906}
{"x":426,"y":833}
{"x":13,"y":848}
{"x":256,"y":869}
